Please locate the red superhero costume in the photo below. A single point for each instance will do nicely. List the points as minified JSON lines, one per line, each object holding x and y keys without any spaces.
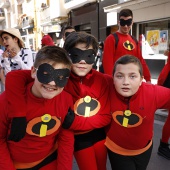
{"x":126,"y":45}
{"x":91,"y":99}
{"x":44,"y":135}
{"x":131,"y":129}
{"x":164,"y":80}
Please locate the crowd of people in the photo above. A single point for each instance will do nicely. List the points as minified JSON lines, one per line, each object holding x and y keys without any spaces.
{"x":83,"y":99}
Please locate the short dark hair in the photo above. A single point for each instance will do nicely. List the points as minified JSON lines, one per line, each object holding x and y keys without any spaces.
{"x":127,"y":59}
{"x":81,"y":37}
{"x":52,"y":53}
{"x":126,"y":13}
{"x":67,"y":28}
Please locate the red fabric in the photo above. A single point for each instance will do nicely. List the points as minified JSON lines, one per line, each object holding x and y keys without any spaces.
{"x":164,"y":73}
{"x":165,"y":130}
{"x":92,"y":158}
{"x":95,"y":85}
{"x":145,"y":102}
{"x":33,"y":148}
{"x":47,"y":40}
{"x":110,"y":54}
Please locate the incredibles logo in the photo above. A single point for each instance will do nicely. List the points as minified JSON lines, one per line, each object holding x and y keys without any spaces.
{"x":43,"y":126}
{"x":127,"y":118}
{"x":86,"y":106}
{"x":128,"y":45}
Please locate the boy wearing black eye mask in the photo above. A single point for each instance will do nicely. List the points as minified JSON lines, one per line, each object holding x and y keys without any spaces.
{"x":44,"y":144}
{"x":90,"y":91}
{"x":121,"y":43}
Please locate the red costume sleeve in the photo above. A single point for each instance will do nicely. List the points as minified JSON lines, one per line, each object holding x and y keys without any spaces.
{"x":65,"y":150}
{"x":108,"y":53}
{"x":15,"y":87}
{"x":5,"y":160}
{"x":164,"y":73}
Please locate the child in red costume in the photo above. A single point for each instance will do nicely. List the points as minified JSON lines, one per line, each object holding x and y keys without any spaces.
{"x":126,"y":45}
{"x":133,"y":104}
{"x":90,"y":93}
{"x":46,"y":145}
{"x":164,"y":80}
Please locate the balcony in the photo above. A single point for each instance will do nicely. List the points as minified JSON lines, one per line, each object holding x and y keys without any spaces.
{"x":2,"y":14}
{"x":4,"y":3}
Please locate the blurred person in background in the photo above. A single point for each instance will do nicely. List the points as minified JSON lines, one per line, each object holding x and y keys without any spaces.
{"x":121,"y":43}
{"x":164,"y":80}
{"x":15,"y":56}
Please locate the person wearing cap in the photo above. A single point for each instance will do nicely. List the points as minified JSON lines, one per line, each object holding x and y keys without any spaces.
{"x":15,"y":57}
{"x":47,"y":41}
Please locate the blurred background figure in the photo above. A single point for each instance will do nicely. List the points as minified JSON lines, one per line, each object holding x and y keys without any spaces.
{"x":164,"y":80}
{"x":47,"y":41}
{"x":98,"y":60}
{"x":15,"y":56}
{"x":66,"y":31}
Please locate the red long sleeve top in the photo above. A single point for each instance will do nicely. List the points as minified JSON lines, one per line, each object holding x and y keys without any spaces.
{"x":110,"y":54}
{"x":144,"y":103}
{"x":33,"y":147}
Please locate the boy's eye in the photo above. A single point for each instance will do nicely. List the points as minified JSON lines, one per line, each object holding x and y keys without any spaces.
{"x":132,"y":76}
{"x":60,"y":77}
{"x":45,"y":72}
{"x":119,"y":76}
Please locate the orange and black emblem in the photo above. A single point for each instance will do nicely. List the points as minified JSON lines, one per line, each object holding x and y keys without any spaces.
{"x":43,"y":126}
{"x":86,"y":106}
{"x":128,"y":45}
{"x":127,"y":118}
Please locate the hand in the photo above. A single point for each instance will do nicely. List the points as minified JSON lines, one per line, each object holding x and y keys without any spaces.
{"x":12,"y":52}
{"x":166,"y":52}
{"x":18,"y":129}
{"x":6,"y":54}
{"x":68,"y":120}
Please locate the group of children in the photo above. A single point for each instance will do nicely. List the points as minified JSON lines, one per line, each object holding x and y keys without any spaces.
{"x":62,"y":107}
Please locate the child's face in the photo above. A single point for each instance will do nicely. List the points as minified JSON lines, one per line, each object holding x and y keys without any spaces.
{"x":127,"y":79}
{"x":82,"y":68}
{"x":45,"y":85}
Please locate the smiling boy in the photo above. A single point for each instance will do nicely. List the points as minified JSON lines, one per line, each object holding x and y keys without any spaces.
{"x":45,"y":144}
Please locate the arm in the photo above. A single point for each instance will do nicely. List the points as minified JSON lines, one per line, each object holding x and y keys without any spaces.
{"x":5,"y":159}
{"x":108,"y":54}
{"x":29,"y":60}
{"x":15,"y":88}
{"x":65,"y":150}
{"x":101,"y":119}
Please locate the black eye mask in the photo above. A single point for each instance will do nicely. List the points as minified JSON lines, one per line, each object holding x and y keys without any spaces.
{"x":127,"y":22}
{"x":46,"y":73}
{"x":77,"y":55}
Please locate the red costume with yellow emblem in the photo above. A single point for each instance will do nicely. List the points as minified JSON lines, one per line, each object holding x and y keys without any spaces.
{"x":91,"y":106}
{"x":131,"y":129}
{"x":126,"y":45}
{"x":46,"y":145}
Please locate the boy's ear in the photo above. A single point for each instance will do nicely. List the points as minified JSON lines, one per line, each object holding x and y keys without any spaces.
{"x":33,"y":72}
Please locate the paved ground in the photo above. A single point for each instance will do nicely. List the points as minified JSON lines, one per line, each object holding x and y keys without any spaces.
{"x":156,"y":162}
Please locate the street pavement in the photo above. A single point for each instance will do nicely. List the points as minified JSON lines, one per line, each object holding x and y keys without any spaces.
{"x":156,"y":162}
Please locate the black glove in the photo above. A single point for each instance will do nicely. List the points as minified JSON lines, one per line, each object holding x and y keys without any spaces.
{"x":68,"y":120}
{"x":18,"y":129}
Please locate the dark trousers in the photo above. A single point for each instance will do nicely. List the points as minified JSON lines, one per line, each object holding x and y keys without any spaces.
{"x":138,"y":162}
